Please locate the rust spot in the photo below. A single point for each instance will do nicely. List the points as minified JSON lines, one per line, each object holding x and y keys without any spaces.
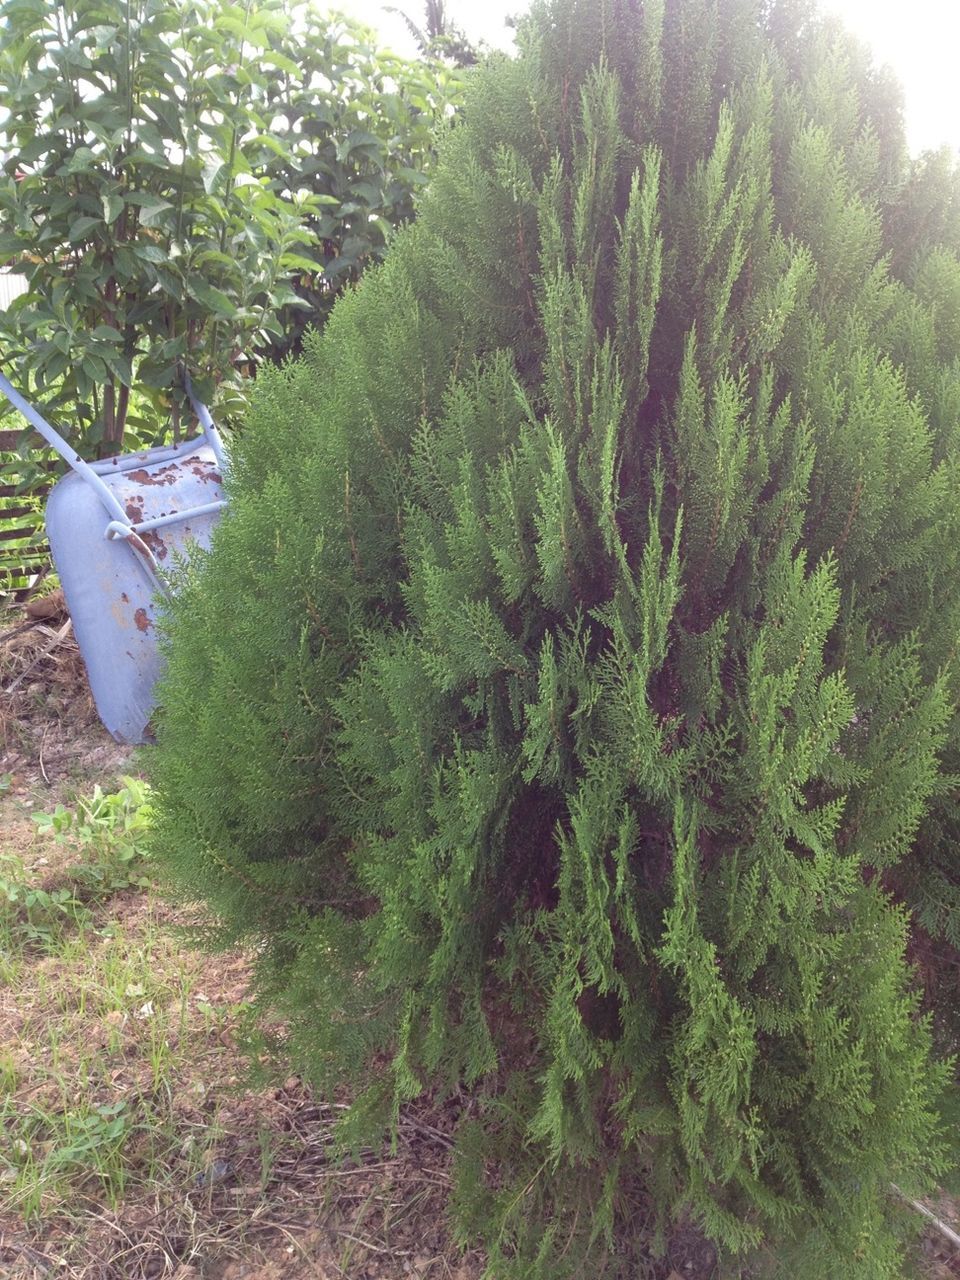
{"x":156,"y":544}
{"x":124,"y":597}
{"x":152,"y":539}
{"x":141,"y":619}
{"x":163,"y":475}
{"x":206,"y":471}
{"x":134,"y":509}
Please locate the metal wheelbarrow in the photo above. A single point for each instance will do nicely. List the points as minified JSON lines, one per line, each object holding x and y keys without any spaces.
{"x":113,"y":527}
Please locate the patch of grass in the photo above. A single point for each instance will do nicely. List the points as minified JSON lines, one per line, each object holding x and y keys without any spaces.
{"x":53,"y":1150}
{"x":135,"y":1139}
{"x":103,"y":1019}
{"x":92,"y":1093}
{"x":104,"y":834}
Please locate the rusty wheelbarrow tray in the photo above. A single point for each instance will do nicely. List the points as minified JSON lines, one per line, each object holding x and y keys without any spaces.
{"x":114,"y":527}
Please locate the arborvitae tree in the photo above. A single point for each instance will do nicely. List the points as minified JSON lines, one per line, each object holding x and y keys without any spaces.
{"x":567,"y":708}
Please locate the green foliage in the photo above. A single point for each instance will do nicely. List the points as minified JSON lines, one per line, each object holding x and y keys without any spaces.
{"x":110,"y":829}
{"x":357,"y":126}
{"x":84,"y":1143}
{"x":180,"y":180}
{"x":23,"y":552}
{"x":29,"y":913}
{"x":108,"y":833}
{"x":567,"y":708}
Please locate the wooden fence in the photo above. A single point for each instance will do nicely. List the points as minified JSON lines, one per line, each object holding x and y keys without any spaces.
{"x":23,"y":544}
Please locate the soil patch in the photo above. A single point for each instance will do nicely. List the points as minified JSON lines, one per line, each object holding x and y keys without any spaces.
{"x":50,"y":735}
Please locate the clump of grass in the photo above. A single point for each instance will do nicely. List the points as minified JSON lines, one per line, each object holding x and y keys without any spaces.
{"x":132,"y":1141}
{"x":92,"y":998}
{"x":105,"y":832}
{"x":92,"y":1098}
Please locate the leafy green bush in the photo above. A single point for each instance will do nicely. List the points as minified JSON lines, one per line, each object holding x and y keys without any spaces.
{"x":360,"y":127}
{"x":570,"y":691}
{"x":170,"y":171}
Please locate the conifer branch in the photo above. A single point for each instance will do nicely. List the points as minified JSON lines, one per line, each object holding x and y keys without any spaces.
{"x":354,"y":550}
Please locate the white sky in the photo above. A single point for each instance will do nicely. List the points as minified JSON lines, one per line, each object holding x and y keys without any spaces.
{"x":920,"y":39}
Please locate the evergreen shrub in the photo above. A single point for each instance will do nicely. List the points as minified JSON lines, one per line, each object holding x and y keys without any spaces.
{"x":567,"y":708}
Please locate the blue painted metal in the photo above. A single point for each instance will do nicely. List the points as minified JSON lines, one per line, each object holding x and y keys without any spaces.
{"x":114,"y":529}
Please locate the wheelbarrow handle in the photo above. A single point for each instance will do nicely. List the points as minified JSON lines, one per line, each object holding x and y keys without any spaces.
{"x":206,"y":422}
{"x":80,"y":465}
{"x":66,"y":451}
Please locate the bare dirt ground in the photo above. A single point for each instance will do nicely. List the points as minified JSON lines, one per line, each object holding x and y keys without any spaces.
{"x":114,"y":1026}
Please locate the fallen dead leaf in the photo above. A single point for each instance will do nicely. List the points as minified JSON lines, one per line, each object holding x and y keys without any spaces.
{"x":50,"y":606}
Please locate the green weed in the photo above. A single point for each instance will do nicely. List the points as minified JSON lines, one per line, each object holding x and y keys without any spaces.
{"x":107,"y":830}
{"x":110,"y":829}
{"x":91,"y":1086}
{"x":49,"y":1152}
{"x":30,"y":913}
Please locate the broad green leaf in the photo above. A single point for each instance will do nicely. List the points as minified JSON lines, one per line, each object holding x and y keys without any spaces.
{"x":93,"y":367}
{"x":82,"y":226}
{"x":112,"y":208}
{"x":212,"y":170}
{"x":119,"y":366}
{"x":211,"y":297}
{"x":297,"y":262}
{"x":151,"y":252}
{"x":151,"y":206}
{"x":368,"y":192}
{"x":357,"y":140}
{"x":273,"y":58}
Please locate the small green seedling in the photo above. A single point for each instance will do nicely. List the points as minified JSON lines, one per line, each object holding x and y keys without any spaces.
{"x":112,"y":827}
{"x":30,"y":913}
